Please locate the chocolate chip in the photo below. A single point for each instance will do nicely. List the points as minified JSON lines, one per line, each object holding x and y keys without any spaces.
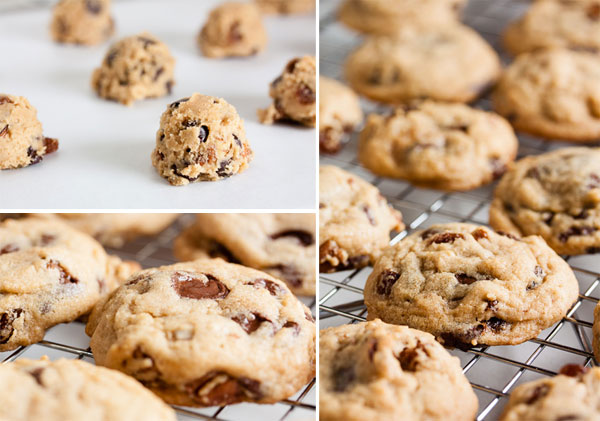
{"x":190,"y":123}
{"x":234,"y":33}
{"x":576,"y":231}
{"x":428,"y":233}
{"x":573,"y":370}
{"x":237,"y":141}
{"x":492,"y":305}
{"x":342,"y":377}
{"x":462,"y":340}
{"x":179,"y":174}
{"x":93,"y":6}
{"x":32,"y":153}
{"x":465,"y":279}
{"x":179,"y":101}
{"x":496,"y":324}
{"x":372,"y":346}
{"x":498,"y":168}
{"x":549,"y":217}
{"x":203,"y":134}
{"x":9,"y":248}
{"x":445,"y":237}
{"x":539,"y":392}
{"x":408,"y":357}
{"x":158,"y":73}
{"x":4,"y":131}
{"x":289,"y":273}
{"x":222,"y":170}
{"x":186,"y":285}
{"x":291,"y":66}
{"x":219,"y":388}
{"x":292,"y":325}
{"x":6,"y":324}
{"x":251,"y":322}
{"x":386,"y":282}
{"x":5,"y":100}
{"x":367,"y":210}
{"x":64,"y":276}
{"x":110,"y":57}
{"x":305,"y":95}
{"x":50,"y":144}
{"x":304,"y":237}
{"x":593,"y":11}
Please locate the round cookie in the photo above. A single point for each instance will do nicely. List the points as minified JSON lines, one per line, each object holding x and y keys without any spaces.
{"x":135,"y":68}
{"x":553,"y":94}
{"x":50,"y":273}
{"x":233,"y":29}
{"x":556,"y":24}
{"x":21,"y":140}
{"x":355,"y":221}
{"x":417,"y":63}
{"x":468,"y":285}
{"x":84,"y":22}
{"x":380,"y":372}
{"x":442,"y":146}
{"x":555,"y":195}
{"x":69,"y":390}
{"x":386,"y":17}
{"x":571,"y":395}
{"x":339,"y":114}
{"x":286,"y":7}
{"x":207,"y":333}
{"x":283,"y":245}
{"x":294,"y":94}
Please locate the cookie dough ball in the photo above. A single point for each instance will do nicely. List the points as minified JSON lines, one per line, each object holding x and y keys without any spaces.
{"x":233,"y":29}
{"x":21,"y":140}
{"x":135,"y":68}
{"x":86,"y":22}
{"x":201,"y":138}
{"x":339,"y":114}
{"x":286,"y":6}
{"x":294,"y":94}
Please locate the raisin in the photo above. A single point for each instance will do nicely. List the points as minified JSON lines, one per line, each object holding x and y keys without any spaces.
{"x":4,"y":131}
{"x":291,"y":66}
{"x":480,"y":233}
{"x":465,"y":279}
{"x":408,"y":357}
{"x":305,"y":95}
{"x":593,"y":11}
{"x":574,"y":370}
{"x":367,"y":210}
{"x":509,"y":235}
{"x":158,"y":73}
{"x":219,"y":388}
{"x":575,"y":231}
{"x":462,"y":340}
{"x":188,"y":286}
{"x":203,"y":134}
{"x":32,"y":153}
{"x":6,"y":324}
{"x":50,"y":144}
{"x":428,"y":233}
{"x":446,"y":237}
{"x":5,"y":100}
{"x":304,"y":237}
{"x":9,"y":248}
{"x":386,"y":282}
{"x":250,"y":323}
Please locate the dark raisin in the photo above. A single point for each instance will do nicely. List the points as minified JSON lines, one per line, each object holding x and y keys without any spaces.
{"x":291,"y":66}
{"x":188,"y":286}
{"x":408,"y":357}
{"x":50,"y":144}
{"x":304,"y":237}
{"x":463,"y":278}
{"x":574,"y":370}
{"x":6,"y":324}
{"x":386,"y":282}
{"x":251,"y":322}
{"x":203,"y":134}
{"x":222,"y":170}
{"x":496,"y":324}
{"x":446,"y":237}
{"x":219,"y":388}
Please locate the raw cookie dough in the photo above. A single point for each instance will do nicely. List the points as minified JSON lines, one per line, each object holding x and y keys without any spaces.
{"x":435,"y":63}
{"x":386,"y":17}
{"x":72,"y":390}
{"x":85,"y":22}
{"x":555,"y":195}
{"x":339,"y":114}
{"x":21,"y":140}
{"x":438,"y":145}
{"x":283,"y":245}
{"x":355,"y":221}
{"x":201,"y":138}
{"x":572,"y":395}
{"x":379,"y":372}
{"x":50,"y":273}
{"x":468,"y":285}
{"x":286,"y":6}
{"x":135,"y":68}
{"x":207,"y":333}
{"x":294,"y":94}
{"x":233,"y":29}
{"x":556,"y":24}
{"x":552,"y":93}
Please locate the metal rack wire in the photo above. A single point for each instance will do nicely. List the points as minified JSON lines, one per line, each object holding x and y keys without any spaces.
{"x":492,"y":371}
{"x":70,"y":341}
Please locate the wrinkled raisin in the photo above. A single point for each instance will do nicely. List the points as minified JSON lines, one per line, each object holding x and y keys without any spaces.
{"x":386,"y":282}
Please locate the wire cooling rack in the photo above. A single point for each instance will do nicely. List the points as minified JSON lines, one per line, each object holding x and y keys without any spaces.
{"x":492,"y":371}
{"x":70,"y":341}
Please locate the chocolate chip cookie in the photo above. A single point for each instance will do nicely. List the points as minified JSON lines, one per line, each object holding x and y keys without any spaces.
{"x":380,"y":372}
{"x":286,"y":6}
{"x":355,"y":221}
{"x":572,"y":395}
{"x":437,"y":145}
{"x":555,"y":195}
{"x":552,"y":93}
{"x":200,"y":138}
{"x":469,"y":285}
{"x":135,"y":68}
{"x":71,"y":390}
{"x":50,"y":273}
{"x":435,"y":63}
{"x":83,"y":22}
{"x":21,"y":140}
{"x":294,"y":94}
{"x":339,"y":114}
{"x":233,"y":29}
{"x":206,"y":333}
{"x":283,"y":245}
{"x":556,"y":24}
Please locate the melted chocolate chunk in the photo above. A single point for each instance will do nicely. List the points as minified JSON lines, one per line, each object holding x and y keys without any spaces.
{"x":386,"y":282}
{"x":251,"y":322}
{"x":446,"y":237}
{"x":6,"y":324}
{"x":187,"y":286}
{"x":465,"y":279}
{"x":462,"y":341}
{"x":408,"y":357}
{"x":304,"y":237}
{"x":64,"y":276}
{"x":274,"y":288}
{"x":574,"y":370}
{"x":219,"y":388}
{"x":342,"y":377}
{"x":291,"y":66}
{"x":496,"y":324}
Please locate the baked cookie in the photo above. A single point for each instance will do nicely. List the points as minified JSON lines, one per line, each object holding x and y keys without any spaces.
{"x":71,"y":390}
{"x":294,"y":94}
{"x":572,"y":395}
{"x":438,"y":145}
{"x":355,"y":221}
{"x":386,"y":17}
{"x":135,"y":68}
{"x":50,"y":273}
{"x":84,"y":22}
{"x":552,"y":93}
{"x":21,"y":140}
{"x":233,"y":29}
{"x":283,"y":245}
{"x":434,"y":63}
{"x":556,"y":24}
{"x":200,"y":138}
{"x":286,"y":6}
{"x":469,"y":285}
{"x":380,"y":372}
{"x":207,"y":333}
{"x":339,"y":114}
{"x":555,"y":195}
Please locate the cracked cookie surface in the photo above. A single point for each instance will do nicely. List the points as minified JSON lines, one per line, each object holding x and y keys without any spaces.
{"x":84,"y":22}
{"x":468,"y":285}
{"x":375,"y":371}
{"x":206,"y":333}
